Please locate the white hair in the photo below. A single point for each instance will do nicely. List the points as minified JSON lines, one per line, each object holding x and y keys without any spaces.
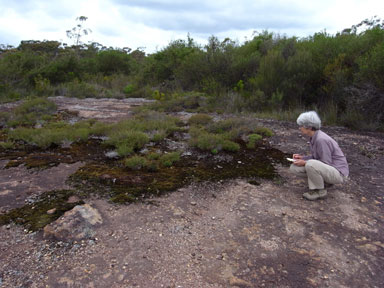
{"x":309,"y":120}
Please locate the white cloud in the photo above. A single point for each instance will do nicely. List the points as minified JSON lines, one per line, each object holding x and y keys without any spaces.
{"x":154,"y":23}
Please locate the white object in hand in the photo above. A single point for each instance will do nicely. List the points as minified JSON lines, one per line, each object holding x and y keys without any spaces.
{"x":290,"y":159}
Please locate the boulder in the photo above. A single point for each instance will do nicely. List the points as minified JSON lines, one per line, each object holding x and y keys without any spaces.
{"x":75,"y":225}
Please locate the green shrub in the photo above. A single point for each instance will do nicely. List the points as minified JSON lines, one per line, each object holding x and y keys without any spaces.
{"x":124,"y":149}
{"x":252,"y":139}
{"x":136,"y":162}
{"x":129,"y":89}
{"x":207,"y":141}
{"x":127,"y":141}
{"x":200,"y":119}
{"x":168,"y":159}
{"x":7,"y":144}
{"x":100,"y":128}
{"x":153,"y":156}
{"x":4,"y":118}
{"x":264,"y":131}
{"x":230,"y":146}
{"x":39,"y":106}
{"x":31,"y":112}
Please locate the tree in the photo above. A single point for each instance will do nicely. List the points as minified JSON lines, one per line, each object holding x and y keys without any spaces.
{"x":78,"y":31}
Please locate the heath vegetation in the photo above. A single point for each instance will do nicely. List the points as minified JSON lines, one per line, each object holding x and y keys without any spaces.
{"x":270,"y":75}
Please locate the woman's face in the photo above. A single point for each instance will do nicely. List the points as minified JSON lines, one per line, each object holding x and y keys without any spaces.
{"x":306,"y":131}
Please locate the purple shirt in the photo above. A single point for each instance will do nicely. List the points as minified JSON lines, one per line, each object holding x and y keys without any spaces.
{"x":325,"y":149}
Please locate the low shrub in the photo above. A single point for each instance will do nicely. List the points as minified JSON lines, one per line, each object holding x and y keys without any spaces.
{"x":252,"y":139}
{"x":200,"y":119}
{"x":7,"y":145}
{"x":31,"y":112}
{"x":168,"y":159}
{"x":263,"y":131}
{"x":153,"y":156}
{"x":159,"y":136}
{"x":4,"y":118}
{"x":124,"y":149}
{"x":53,"y":133}
{"x":230,"y":146}
{"x":39,"y":106}
{"x":136,"y":162}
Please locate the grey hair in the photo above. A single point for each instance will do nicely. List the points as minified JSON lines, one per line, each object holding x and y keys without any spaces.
{"x":309,"y":120}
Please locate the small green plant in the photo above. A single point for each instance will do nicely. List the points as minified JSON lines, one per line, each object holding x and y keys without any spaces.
{"x":31,"y":112}
{"x":200,"y":119}
{"x":136,"y":162}
{"x":264,"y":131}
{"x":129,"y":89}
{"x":42,"y":85}
{"x":159,"y":136}
{"x":230,"y":146}
{"x":4,"y":118}
{"x":157,"y":95}
{"x":7,"y":145}
{"x":168,"y":159}
{"x":124,"y":149}
{"x":39,"y":106}
{"x":252,"y":139}
{"x":153,"y":156}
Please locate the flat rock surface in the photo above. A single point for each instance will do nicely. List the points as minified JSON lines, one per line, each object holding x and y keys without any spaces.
{"x":225,"y":234}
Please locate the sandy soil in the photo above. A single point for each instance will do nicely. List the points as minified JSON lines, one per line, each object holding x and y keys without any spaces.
{"x":225,"y":234}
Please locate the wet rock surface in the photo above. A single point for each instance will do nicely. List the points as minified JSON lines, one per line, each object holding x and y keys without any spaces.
{"x":221,"y":234}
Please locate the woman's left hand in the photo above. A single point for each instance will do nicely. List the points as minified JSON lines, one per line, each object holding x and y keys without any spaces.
{"x":300,"y":162}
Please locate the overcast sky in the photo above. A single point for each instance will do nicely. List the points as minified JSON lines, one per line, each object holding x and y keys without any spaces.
{"x":152,"y":24}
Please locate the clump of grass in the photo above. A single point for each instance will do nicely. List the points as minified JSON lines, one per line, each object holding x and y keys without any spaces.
{"x":212,"y":142}
{"x":127,"y":141}
{"x":136,"y":162}
{"x":168,"y":159}
{"x":252,"y":139}
{"x":153,"y":156}
{"x":191,"y":102}
{"x":230,"y":146}
{"x":31,"y":112}
{"x":152,"y":161}
{"x":53,"y":133}
{"x":263,"y":131}
{"x":7,"y":144}
{"x":200,"y":119}
{"x":159,"y":136}
{"x":4,"y":118}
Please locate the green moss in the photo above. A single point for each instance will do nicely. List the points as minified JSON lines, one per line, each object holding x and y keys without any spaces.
{"x":34,"y":216}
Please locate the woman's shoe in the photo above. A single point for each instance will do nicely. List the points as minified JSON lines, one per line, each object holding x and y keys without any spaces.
{"x":315,"y":194}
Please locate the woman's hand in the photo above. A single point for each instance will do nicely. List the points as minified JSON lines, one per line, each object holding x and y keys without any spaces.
{"x":299,"y":162}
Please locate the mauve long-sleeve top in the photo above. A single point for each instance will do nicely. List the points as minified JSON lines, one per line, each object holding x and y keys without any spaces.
{"x":325,"y":149}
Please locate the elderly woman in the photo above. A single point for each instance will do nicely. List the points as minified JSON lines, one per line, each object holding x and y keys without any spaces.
{"x":326,"y":164}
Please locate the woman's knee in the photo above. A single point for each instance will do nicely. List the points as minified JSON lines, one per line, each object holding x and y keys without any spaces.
{"x":310,"y":165}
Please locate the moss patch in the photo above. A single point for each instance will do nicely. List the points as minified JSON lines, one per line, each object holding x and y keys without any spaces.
{"x":34,"y":216}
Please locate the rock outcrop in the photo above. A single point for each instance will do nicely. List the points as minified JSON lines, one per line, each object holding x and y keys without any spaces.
{"x":76,"y":224}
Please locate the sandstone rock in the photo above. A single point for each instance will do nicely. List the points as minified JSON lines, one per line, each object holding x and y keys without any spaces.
{"x":234,"y":281}
{"x":76,"y":224}
{"x":51,"y":211}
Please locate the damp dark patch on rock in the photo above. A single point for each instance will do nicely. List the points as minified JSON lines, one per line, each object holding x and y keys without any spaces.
{"x":122,"y":185}
{"x":47,"y":208}
{"x":33,"y":157}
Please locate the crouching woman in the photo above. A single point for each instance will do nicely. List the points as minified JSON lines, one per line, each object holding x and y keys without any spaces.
{"x":326,"y":164}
